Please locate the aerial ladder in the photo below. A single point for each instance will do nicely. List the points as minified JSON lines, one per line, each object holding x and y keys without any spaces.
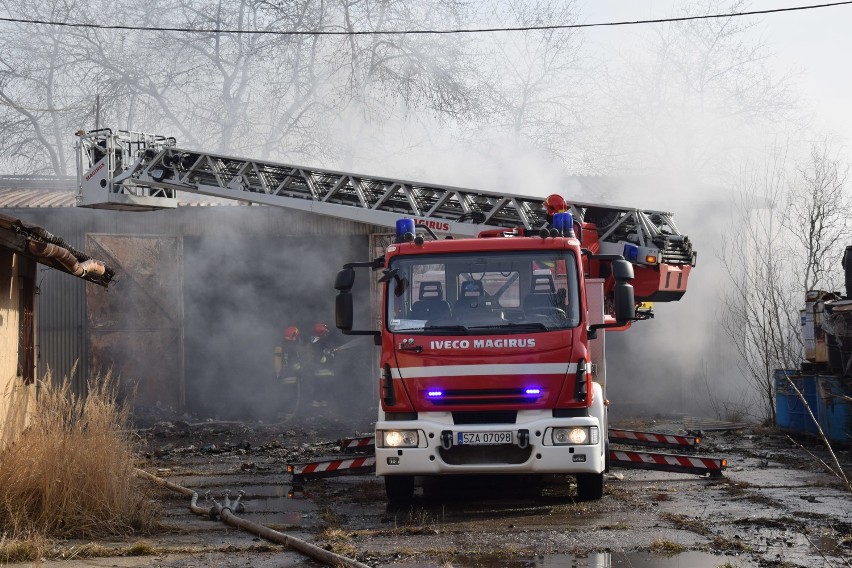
{"x":132,"y":171}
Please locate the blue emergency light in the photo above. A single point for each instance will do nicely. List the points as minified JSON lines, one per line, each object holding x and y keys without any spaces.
{"x":435,"y":394}
{"x":403,"y":227}
{"x":564,"y":223}
{"x":532,"y":391}
{"x":631,"y":252}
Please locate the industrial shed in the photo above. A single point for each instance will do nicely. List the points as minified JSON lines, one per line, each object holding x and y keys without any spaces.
{"x":200,"y":297}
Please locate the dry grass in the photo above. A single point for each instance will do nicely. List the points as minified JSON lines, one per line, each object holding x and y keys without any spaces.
{"x":21,"y":550}
{"x":686,"y":523}
{"x":70,"y":473}
{"x":729,"y":545}
{"x":667,"y":547}
{"x":335,"y":535}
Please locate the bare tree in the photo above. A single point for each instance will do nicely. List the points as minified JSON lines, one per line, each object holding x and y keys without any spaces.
{"x":399,"y":78}
{"x":418,"y":70}
{"x":789,"y":229}
{"x":760,"y":306}
{"x":817,"y":216}
{"x":267,"y":94}
{"x":299,"y":91}
{"x":695,"y":95}
{"x":35,"y":101}
{"x":535,"y":83}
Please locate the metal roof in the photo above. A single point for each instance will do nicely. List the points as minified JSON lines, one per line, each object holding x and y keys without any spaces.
{"x":18,"y":198}
{"x":15,"y":198}
{"x":40,"y":192}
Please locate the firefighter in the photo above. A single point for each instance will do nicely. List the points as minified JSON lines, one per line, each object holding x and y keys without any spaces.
{"x":554,"y":204}
{"x":288,"y":364}
{"x":321,"y":355}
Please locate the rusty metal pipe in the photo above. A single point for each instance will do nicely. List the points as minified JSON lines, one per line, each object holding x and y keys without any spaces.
{"x":93,"y":267}
{"x":227,"y":515}
{"x":66,"y":258}
{"x":61,"y":255}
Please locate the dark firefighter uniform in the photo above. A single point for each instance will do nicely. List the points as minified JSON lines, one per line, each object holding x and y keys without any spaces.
{"x":289,"y":365}
{"x":321,"y":355}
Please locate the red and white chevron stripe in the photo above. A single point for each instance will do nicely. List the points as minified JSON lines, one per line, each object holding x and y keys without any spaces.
{"x":667,"y":462}
{"x":358,"y":444}
{"x":328,"y":468}
{"x":634,"y":436}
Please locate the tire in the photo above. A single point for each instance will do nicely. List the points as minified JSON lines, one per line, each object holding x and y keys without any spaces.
{"x":399,"y":488}
{"x":590,"y":486}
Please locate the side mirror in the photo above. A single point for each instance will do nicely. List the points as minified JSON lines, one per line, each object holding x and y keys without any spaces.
{"x":343,"y":310}
{"x":622,"y":270}
{"x":623,"y":298}
{"x":345,"y":279}
{"x":625,"y":307}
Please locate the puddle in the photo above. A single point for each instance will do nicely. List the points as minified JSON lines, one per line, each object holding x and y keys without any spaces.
{"x":689,"y":559}
{"x":779,"y":543}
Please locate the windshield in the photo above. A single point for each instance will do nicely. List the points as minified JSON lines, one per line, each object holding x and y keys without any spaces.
{"x":493,"y":291}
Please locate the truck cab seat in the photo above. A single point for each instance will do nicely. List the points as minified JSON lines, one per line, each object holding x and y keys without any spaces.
{"x":430,"y":302}
{"x":471,"y":296}
{"x":474,"y":306}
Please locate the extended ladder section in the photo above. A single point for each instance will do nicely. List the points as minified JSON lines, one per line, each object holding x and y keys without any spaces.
{"x":134,"y":171}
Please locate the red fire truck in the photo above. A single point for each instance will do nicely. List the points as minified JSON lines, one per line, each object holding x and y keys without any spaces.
{"x":491,"y":359}
{"x":492,"y":354}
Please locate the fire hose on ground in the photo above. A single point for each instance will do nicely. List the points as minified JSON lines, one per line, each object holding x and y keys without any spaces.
{"x":226,"y":513}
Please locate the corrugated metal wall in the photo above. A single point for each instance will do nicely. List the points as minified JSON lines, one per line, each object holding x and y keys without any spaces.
{"x":62,"y":299}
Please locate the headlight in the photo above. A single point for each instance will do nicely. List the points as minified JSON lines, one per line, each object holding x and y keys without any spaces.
{"x":575,"y":436}
{"x":399,"y":438}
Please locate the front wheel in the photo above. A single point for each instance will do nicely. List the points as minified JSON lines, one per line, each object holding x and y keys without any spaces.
{"x":590,"y":486}
{"x":399,"y":488}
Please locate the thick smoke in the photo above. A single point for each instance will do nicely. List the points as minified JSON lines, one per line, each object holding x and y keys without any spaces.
{"x":245,"y":284}
{"x":671,"y":109}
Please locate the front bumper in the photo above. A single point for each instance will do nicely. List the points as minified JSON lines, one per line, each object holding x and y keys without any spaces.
{"x":530,"y":453}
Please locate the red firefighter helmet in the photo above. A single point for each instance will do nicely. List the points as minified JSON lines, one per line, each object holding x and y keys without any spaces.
{"x":319,"y":330}
{"x":292,"y":333}
{"x":555,"y":204}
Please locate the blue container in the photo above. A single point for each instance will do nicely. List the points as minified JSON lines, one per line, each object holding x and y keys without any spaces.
{"x":835,"y":411}
{"x":790,"y":414}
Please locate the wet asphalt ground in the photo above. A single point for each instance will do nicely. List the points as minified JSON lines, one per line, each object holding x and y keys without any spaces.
{"x":774,"y":506}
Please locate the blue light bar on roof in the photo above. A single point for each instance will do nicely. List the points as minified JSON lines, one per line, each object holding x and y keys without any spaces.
{"x":404,"y":226}
{"x":564,"y":223}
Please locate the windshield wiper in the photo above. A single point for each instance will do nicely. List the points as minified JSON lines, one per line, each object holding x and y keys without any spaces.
{"x":455,"y":328}
{"x":509,"y":326}
{"x":529,"y":325}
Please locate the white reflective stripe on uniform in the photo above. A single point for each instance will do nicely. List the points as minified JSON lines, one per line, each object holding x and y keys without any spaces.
{"x":491,"y":370}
